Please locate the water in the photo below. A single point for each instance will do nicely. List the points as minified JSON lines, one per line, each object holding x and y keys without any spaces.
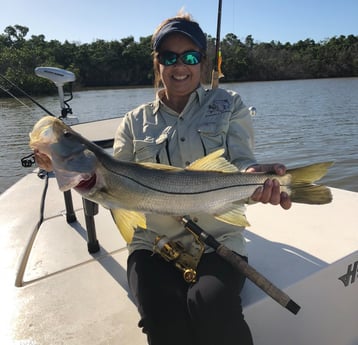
{"x":297,"y":122}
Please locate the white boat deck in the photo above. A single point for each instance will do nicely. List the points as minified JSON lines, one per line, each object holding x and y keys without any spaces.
{"x":69,"y":296}
{"x":64,"y":295}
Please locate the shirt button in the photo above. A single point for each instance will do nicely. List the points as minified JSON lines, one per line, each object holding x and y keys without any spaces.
{"x":182,"y":139}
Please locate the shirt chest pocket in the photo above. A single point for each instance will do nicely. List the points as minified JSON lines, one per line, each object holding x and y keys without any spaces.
{"x":154,"y":147}
{"x":150,"y":151}
{"x":213,"y":135}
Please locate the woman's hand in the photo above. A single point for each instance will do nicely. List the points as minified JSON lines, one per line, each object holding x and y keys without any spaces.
{"x":43,"y":161}
{"x":270,"y":191}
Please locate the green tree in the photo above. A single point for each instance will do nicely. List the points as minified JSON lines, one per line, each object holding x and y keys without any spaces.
{"x":127,"y":62}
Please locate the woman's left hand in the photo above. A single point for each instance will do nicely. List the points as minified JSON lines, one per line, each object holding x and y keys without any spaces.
{"x":43,"y":161}
{"x":270,"y":191}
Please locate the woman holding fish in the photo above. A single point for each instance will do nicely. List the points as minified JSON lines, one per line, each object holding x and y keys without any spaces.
{"x":184,"y":123}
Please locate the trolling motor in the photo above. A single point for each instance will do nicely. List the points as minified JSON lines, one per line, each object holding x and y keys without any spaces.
{"x":60,"y":77}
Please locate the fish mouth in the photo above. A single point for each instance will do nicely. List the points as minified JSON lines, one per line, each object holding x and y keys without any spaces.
{"x":88,"y":183}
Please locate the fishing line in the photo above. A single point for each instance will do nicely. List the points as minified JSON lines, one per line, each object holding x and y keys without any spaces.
{"x":13,"y":96}
{"x":29,"y":160}
{"x":26,"y":95}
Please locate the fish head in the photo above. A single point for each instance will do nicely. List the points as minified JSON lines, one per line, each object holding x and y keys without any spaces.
{"x":73,"y":164}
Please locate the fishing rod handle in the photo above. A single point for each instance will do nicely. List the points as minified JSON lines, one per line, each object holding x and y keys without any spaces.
{"x":258,"y":279}
{"x":241,"y":265}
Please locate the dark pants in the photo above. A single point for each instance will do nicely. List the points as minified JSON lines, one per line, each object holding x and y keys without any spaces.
{"x":175,"y":312}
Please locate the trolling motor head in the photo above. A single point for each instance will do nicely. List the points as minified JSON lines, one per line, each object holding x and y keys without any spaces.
{"x":59,"y":77}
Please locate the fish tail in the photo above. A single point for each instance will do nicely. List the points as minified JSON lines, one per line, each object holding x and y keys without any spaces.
{"x":303,"y":189}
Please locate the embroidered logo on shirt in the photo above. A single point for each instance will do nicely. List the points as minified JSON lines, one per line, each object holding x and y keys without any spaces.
{"x":219,"y":106}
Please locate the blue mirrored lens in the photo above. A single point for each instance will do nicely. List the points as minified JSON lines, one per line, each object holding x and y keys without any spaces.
{"x":191,"y":58}
{"x":188,"y":58}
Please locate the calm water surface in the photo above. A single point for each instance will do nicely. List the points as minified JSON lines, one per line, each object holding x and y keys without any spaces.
{"x":297,"y":122}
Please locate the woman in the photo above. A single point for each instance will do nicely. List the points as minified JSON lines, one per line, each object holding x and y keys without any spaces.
{"x":186,"y":122}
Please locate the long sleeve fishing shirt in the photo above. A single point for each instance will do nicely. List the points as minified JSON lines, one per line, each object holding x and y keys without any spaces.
{"x":153,"y":132}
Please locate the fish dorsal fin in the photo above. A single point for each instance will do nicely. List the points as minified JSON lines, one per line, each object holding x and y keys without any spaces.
{"x":234,"y":214}
{"x":159,"y":166}
{"x":213,"y":162}
{"x":127,"y":221}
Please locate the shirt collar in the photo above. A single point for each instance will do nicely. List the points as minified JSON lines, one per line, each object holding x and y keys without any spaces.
{"x":201,"y":94}
{"x":157,"y":103}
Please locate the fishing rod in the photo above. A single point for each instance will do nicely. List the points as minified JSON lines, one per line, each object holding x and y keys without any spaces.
{"x":216,"y":73}
{"x":242,"y":266}
{"x":25,"y":94}
{"x":28,"y":160}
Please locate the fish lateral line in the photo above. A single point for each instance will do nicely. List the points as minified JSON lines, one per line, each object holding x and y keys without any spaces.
{"x":187,"y":193}
{"x":143,"y":184}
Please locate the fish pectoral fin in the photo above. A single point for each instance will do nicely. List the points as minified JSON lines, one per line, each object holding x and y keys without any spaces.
{"x":213,"y":162}
{"x":235,"y":215}
{"x":127,"y":222}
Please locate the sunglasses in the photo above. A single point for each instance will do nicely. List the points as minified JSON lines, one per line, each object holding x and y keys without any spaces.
{"x":169,"y":58}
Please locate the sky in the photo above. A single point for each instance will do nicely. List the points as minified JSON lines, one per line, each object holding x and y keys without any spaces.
{"x":84,"y":21}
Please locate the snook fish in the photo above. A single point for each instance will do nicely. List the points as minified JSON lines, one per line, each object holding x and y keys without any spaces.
{"x":210,"y":185}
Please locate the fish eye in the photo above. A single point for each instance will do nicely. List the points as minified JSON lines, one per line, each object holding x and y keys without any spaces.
{"x":67,"y":133}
